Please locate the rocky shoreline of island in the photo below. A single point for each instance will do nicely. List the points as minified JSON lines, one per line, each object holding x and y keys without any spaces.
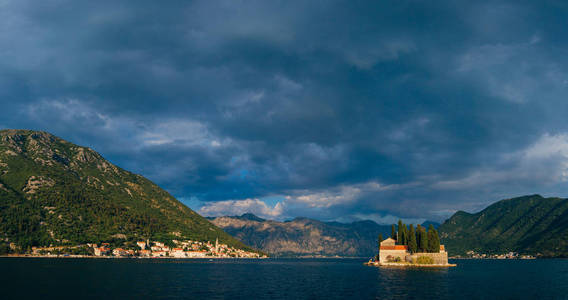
{"x":408,"y":264}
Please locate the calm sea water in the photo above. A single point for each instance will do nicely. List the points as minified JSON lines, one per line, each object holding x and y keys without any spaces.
{"x":278,"y":279}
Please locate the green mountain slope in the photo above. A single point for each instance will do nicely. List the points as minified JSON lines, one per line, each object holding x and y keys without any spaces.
{"x":528,"y":225}
{"x":53,"y":192}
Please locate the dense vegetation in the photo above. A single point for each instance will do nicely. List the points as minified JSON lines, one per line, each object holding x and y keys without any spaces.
{"x":419,"y":240}
{"x":527,"y":225}
{"x":424,"y":260}
{"x":53,"y":192}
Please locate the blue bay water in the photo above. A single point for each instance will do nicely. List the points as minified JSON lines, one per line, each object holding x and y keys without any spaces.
{"x":278,"y":279}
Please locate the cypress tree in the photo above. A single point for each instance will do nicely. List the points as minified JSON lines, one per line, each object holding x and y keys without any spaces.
{"x":393,"y":232}
{"x":433,"y":240}
{"x":418,"y":229}
{"x":423,"y":240}
{"x":437,"y":243}
{"x":412,"y":240}
{"x":430,"y":239}
{"x":400,"y":239}
{"x":380,"y":239}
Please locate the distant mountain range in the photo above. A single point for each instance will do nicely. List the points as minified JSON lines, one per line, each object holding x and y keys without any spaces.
{"x":529,"y":225}
{"x":53,"y":192}
{"x":305,"y":237}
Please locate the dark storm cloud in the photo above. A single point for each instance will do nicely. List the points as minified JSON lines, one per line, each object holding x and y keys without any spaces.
{"x":338,"y":109}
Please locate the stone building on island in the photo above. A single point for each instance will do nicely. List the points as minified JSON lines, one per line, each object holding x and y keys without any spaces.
{"x":390,"y":252}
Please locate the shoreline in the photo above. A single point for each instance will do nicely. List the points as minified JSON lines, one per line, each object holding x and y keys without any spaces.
{"x":467,"y":258}
{"x":215,"y":257}
{"x":121,"y":257}
{"x":399,"y":265}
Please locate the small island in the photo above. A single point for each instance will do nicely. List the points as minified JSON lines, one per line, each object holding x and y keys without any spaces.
{"x":411,"y":248}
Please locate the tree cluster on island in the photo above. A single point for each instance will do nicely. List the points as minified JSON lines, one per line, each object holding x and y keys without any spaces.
{"x":419,"y":240}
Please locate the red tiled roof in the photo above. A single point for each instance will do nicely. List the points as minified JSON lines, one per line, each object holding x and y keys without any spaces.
{"x":395,"y":247}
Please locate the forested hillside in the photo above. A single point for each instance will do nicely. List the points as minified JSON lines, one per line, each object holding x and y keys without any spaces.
{"x":528,"y":225}
{"x":53,"y":192}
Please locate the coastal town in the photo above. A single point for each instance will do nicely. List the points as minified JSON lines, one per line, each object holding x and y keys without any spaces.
{"x":509,"y":255}
{"x":148,"y":249}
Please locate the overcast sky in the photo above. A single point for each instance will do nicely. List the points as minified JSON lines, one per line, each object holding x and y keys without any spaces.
{"x":337,"y":110}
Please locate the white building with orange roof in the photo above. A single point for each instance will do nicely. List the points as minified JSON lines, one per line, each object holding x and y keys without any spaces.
{"x":119,"y":252}
{"x":389,"y":251}
{"x":178,"y":252}
{"x":142,"y":245}
{"x":196,"y":254}
{"x":100,"y":251}
{"x":158,"y":253}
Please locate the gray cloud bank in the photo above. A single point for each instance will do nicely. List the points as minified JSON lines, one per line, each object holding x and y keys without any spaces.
{"x":338,"y":110}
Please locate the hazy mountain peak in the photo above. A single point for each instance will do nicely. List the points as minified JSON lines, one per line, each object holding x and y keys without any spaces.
{"x":250,"y":217}
{"x":304,"y":236}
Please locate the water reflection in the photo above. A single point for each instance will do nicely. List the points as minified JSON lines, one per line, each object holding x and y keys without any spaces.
{"x":412,"y":282}
{"x":278,"y":279}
